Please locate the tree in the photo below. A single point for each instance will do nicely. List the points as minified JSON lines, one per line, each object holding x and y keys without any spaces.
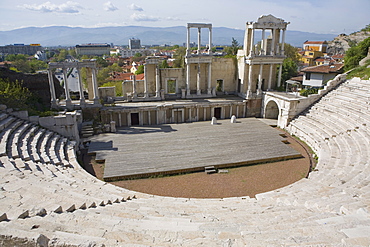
{"x":22,"y":66}
{"x":179,"y":56}
{"x":13,"y":95}
{"x":355,"y":54}
{"x":140,"y":70}
{"x":233,"y":49}
{"x":292,"y":53}
{"x":104,"y":73}
{"x":164,"y":64}
{"x":289,"y":69}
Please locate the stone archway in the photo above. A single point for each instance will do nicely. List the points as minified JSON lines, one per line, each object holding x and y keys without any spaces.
{"x":272,"y":110}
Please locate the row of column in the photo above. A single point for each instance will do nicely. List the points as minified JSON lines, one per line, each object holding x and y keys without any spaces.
{"x":66,"y":87}
{"x":199,"y":26}
{"x":209,"y":81}
{"x":274,"y":43}
{"x":260,"y":79}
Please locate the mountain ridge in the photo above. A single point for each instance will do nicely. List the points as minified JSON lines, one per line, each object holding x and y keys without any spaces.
{"x":176,"y":35}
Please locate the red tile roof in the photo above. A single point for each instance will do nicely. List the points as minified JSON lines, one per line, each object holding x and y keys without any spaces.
{"x":119,"y":76}
{"x":315,"y":42}
{"x":325,"y":69}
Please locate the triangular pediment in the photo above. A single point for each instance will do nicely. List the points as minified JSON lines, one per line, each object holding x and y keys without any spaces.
{"x":269,"y":19}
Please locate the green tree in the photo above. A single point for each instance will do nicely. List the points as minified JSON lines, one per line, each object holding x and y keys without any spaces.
{"x":22,"y":66}
{"x":164,"y":64}
{"x":15,"y":57}
{"x":179,"y":56}
{"x":101,"y":62}
{"x":140,"y":70}
{"x":13,"y":95}
{"x":233,"y":49}
{"x":289,"y":69}
{"x":62,"y":55}
{"x":355,"y":54}
{"x":37,"y":65}
{"x":104,"y":73}
{"x":292,"y":53}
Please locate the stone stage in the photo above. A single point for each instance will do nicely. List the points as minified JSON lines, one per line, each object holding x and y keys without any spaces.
{"x":144,"y":151}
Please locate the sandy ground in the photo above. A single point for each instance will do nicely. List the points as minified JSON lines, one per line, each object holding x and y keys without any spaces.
{"x":241,"y":181}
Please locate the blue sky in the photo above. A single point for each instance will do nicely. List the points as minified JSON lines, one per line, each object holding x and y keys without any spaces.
{"x":320,"y":16}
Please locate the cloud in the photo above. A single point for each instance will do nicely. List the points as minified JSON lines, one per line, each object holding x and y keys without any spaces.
{"x":173,"y":19}
{"x":47,"y":7}
{"x":143,"y":17}
{"x":135,"y":7}
{"x":108,"y":6}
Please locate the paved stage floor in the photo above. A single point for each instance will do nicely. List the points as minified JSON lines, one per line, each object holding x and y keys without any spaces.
{"x":172,"y":148}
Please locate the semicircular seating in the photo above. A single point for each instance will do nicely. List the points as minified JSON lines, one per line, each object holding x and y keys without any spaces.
{"x":46,"y":198}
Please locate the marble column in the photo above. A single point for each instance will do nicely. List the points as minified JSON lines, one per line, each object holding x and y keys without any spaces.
{"x":95,"y":86}
{"x":210,"y":42}
{"x":82,"y":96}
{"x":209,"y":89}
{"x":188,"y":42}
{"x":250,"y":75}
{"x":199,"y":92}
{"x":279,"y":76}
{"x":273,"y":42}
{"x":263,"y":43}
{"x":134,"y":94}
{"x":52,"y":89}
{"x":157,"y":82}
{"x":283,"y":43}
{"x":199,"y":39}
{"x":66,"y":89}
{"x":128,"y":118}
{"x":270,"y":78}
{"x":259,"y":90}
{"x":146,"y":93}
{"x":251,"y":43}
{"x":187,"y":79}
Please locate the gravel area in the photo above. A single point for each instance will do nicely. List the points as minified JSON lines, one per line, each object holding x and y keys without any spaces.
{"x":240,"y":181}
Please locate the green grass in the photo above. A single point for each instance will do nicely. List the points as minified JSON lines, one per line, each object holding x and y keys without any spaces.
{"x":362,"y":72}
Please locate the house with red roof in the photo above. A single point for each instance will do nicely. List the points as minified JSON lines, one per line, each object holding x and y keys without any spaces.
{"x":317,"y":76}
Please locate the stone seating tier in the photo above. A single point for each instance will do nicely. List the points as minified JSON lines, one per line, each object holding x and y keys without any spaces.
{"x":329,"y":208}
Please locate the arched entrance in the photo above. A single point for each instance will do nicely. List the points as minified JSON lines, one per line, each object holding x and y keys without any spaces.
{"x":272,"y":110}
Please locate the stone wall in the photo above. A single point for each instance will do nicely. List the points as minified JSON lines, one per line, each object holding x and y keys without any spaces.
{"x":66,"y":124}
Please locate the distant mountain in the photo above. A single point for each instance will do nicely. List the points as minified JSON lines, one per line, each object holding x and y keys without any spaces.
{"x":71,"y":36}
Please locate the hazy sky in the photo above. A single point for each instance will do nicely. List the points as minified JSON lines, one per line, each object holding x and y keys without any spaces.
{"x":320,"y":16}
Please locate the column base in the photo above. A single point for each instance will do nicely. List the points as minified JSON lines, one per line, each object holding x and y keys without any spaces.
{"x":96,"y":102}
{"x":249,"y":94}
{"x":209,"y":91}
{"x":54,"y":104}
{"x":199,"y":92}
{"x":69,"y":104}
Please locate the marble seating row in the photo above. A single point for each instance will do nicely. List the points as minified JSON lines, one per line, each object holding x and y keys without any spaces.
{"x":329,"y":208}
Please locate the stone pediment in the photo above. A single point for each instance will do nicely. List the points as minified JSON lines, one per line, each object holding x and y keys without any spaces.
{"x":269,"y":18}
{"x":269,"y":21}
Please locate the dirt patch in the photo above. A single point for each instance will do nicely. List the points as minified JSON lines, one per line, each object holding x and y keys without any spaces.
{"x":241,"y":181}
